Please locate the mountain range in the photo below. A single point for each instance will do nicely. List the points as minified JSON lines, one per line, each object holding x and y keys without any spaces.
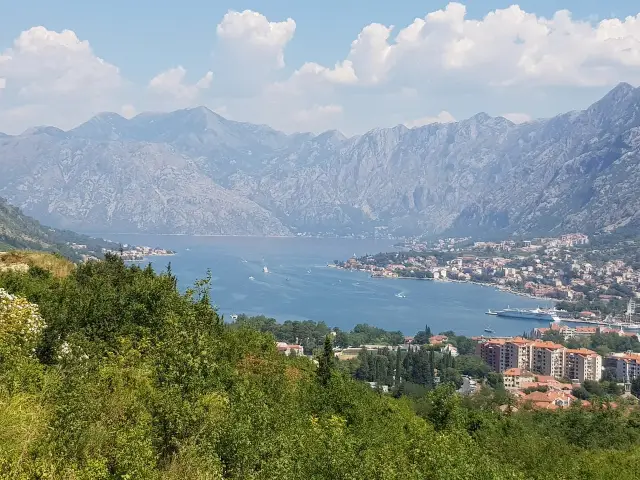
{"x":194,"y":172}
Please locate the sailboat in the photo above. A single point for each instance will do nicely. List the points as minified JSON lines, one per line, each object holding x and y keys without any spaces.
{"x":265,"y":269}
{"x":488,"y":330}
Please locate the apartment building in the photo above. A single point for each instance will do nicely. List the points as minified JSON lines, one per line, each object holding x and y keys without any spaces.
{"x":627,"y":365}
{"x":547,"y":358}
{"x":582,"y":364}
{"x":541,"y":357}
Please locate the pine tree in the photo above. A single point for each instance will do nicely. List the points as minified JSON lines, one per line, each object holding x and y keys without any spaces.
{"x":428,"y":333}
{"x":326,"y":362}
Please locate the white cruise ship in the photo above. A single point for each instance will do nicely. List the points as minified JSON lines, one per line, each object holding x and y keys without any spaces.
{"x":548,"y":315}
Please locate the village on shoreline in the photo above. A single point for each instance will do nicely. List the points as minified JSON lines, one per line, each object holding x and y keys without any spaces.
{"x":130,"y":253}
{"x":597,"y":280}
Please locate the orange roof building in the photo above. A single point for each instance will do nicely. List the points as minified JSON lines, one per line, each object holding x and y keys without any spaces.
{"x":540,"y":357}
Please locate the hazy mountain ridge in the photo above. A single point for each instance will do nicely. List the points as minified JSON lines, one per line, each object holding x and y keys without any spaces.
{"x":193,"y":171}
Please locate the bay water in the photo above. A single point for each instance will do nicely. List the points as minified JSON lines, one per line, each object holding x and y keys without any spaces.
{"x":299,"y":285}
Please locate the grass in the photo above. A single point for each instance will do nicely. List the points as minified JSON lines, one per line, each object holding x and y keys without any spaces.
{"x":56,"y":264}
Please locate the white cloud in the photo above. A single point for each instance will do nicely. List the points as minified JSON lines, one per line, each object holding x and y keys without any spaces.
{"x":43,"y":63}
{"x":442,"y":117}
{"x":250,"y":51}
{"x":509,"y":60}
{"x":172,"y":83}
{"x":517,"y":117}
{"x":249,"y":32}
{"x":507,"y":47}
{"x":54,"y":78}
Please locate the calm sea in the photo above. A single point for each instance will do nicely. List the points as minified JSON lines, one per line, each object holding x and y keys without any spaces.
{"x":300,"y":286}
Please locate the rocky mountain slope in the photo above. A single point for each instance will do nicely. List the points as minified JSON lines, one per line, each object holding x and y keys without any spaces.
{"x":18,"y":231}
{"x":192,"y":171}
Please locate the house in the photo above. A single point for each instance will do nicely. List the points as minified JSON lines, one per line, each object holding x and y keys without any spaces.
{"x":287,"y":349}
{"x":450,"y":349}
{"x":438,"y":339}
{"x":515,"y":377}
{"x":550,"y":400}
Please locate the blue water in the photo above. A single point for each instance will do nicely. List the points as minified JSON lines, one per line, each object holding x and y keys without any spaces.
{"x":300,"y":286}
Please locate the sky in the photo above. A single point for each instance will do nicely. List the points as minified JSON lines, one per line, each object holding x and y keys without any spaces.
{"x":350,"y":65}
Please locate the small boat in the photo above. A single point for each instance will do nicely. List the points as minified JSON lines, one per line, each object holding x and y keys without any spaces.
{"x":488,"y":330}
{"x":234,"y":317}
{"x":251,"y":278}
{"x":265,"y":269}
{"x":308,"y":272}
{"x":401,"y":295}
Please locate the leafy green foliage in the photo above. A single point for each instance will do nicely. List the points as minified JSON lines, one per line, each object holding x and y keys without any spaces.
{"x":311,"y":334}
{"x":131,"y":379}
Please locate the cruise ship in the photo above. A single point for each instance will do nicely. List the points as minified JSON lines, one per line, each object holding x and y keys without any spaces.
{"x":548,"y":315}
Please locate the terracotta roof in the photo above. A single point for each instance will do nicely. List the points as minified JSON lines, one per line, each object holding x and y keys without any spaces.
{"x":581,"y":351}
{"x":517,"y":372}
{"x":545,"y":398}
{"x":547,"y":345}
{"x":586,"y":329}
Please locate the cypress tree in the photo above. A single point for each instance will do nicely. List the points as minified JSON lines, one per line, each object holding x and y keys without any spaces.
{"x":326,"y":362}
{"x":362,"y":373}
{"x":398,"y":366}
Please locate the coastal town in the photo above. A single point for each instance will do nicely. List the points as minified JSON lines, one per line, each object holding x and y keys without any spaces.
{"x":596,"y":280}
{"x":129,"y":253}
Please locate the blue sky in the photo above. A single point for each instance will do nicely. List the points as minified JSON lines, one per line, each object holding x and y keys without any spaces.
{"x":448,"y":73}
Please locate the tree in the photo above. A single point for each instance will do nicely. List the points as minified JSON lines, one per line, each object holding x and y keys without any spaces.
{"x":326,"y":362}
{"x":427,"y":332}
{"x":473,"y":366}
{"x":398,"y":372}
{"x":362,"y":372}
{"x":635,"y":386}
{"x":494,"y":379}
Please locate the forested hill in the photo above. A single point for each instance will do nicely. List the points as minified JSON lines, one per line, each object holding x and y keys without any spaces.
{"x":112,"y":373}
{"x":18,"y":231}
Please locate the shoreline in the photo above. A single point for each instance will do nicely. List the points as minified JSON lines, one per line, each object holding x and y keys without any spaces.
{"x":480,"y":284}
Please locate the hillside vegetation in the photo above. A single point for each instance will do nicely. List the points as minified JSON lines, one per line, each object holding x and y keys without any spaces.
{"x":56,"y":264}
{"x":112,"y":373}
{"x":19,"y":231}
